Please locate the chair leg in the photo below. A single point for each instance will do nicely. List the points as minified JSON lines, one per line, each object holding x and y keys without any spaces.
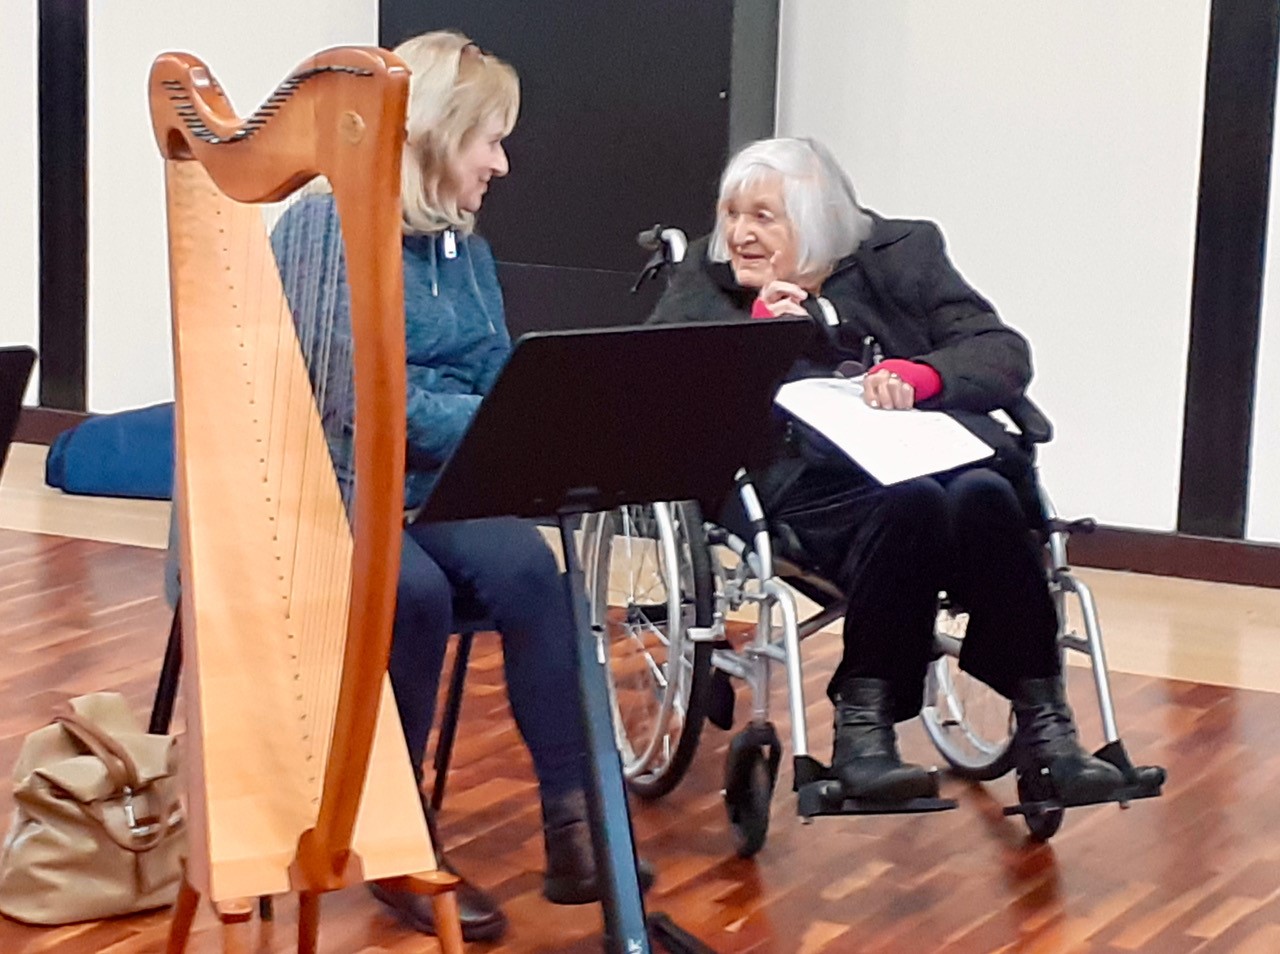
{"x":449,"y":724}
{"x":184,"y":913}
{"x":170,"y":669}
{"x":308,"y":921}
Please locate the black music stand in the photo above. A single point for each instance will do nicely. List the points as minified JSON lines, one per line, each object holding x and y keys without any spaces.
{"x":15,"y":372}
{"x":586,"y":421}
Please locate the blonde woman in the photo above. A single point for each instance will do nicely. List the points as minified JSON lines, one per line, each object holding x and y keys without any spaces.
{"x":463,"y":103}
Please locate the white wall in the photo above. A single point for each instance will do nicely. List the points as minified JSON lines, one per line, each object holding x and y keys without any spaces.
{"x":1058,"y":146}
{"x":1264,"y":478}
{"x":250,"y":46}
{"x":19,"y":180}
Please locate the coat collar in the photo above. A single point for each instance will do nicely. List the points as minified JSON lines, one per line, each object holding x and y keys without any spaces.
{"x":884,"y":232}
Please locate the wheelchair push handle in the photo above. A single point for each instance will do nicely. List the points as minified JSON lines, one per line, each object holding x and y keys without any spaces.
{"x":649,"y":239}
{"x":668,"y":246}
{"x":670,"y":242}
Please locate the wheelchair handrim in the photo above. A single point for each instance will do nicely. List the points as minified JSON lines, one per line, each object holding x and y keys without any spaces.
{"x":600,"y":539}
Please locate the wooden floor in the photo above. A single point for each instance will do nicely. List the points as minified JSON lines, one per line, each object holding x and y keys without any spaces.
{"x":1198,"y":870}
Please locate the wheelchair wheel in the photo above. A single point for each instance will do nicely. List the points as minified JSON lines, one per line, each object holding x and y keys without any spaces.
{"x":970,"y":723}
{"x":750,"y":774}
{"x":1041,"y":825}
{"x":649,"y":581}
{"x":748,"y":806}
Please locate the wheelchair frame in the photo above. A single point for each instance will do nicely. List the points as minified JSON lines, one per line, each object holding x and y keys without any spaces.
{"x":762,"y":580}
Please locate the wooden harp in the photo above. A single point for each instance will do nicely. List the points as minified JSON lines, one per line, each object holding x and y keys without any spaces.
{"x":298,"y":774}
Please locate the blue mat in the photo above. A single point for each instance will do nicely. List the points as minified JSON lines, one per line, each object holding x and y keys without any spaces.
{"x":129,"y":454}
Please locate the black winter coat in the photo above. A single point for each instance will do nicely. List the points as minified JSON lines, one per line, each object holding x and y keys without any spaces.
{"x":900,"y":289}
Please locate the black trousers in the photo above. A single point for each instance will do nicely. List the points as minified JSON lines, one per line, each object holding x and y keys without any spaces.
{"x":894,"y":548}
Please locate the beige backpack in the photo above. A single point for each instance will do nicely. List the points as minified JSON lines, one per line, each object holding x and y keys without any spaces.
{"x":97,"y":827}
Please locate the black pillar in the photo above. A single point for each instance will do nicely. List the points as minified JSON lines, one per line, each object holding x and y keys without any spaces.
{"x":629,"y":111}
{"x":64,"y":271}
{"x":1226,"y":297}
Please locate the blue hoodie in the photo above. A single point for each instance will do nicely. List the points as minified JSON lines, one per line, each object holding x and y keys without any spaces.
{"x":455,"y":334}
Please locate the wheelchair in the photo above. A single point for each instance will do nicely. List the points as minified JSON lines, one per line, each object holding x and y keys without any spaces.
{"x":662,"y":583}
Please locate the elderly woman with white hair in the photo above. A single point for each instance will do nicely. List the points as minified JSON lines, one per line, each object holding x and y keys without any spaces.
{"x":789,"y":231}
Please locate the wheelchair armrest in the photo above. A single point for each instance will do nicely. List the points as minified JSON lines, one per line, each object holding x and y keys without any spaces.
{"x":1030,"y":420}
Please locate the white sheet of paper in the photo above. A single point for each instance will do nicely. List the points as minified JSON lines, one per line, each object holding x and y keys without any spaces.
{"x":891,"y":446}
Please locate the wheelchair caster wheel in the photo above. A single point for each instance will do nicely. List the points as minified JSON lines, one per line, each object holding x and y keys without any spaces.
{"x":749,"y":806}
{"x":1044,"y":825}
{"x":1043,"y":820}
{"x":751,"y":771}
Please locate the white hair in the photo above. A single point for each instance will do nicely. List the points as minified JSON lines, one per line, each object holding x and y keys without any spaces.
{"x":816,"y":193}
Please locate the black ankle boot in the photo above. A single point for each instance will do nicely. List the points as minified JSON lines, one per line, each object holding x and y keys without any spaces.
{"x":866,"y":759}
{"x":482,"y":919}
{"x":571,"y":866}
{"x":1050,"y":762}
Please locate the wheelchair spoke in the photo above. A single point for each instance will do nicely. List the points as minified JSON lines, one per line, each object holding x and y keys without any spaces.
{"x":639,"y":619}
{"x":655,"y":670}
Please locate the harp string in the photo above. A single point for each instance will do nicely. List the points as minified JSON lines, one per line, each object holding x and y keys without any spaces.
{"x":278,"y":364}
{"x":310,"y":258}
{"x":301,"y":623}
{"x":332,"y":355}
{"x":335,"y":357}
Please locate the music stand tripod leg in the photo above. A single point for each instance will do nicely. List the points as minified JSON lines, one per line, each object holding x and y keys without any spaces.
{"x":625,"y":927}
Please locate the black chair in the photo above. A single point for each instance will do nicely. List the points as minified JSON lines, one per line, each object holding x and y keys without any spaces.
{"x":472,"y":620}
{"x":15,"y":371}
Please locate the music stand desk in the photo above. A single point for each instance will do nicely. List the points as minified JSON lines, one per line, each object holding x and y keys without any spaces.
{"x":15,"y":372}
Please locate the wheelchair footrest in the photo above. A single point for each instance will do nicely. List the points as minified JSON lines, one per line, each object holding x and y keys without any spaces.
{"x":826,"y":798}
{"x":820,"y":794}
{"x":1121,"y":796}
{"x":1141,"y":781}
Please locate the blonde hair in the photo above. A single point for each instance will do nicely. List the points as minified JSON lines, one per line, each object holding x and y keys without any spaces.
{"x":454,"y":87}
{"x":817,"y":194}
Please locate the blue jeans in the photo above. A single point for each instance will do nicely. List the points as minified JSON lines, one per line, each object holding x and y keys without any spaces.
{"x":505,"y":567}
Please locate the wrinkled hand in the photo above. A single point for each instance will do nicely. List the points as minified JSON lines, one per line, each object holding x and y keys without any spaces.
{"x":783,"y":298}
{"x":884,"y":389}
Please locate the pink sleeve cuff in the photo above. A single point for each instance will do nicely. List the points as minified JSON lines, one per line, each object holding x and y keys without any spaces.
{"x":923,"y":379}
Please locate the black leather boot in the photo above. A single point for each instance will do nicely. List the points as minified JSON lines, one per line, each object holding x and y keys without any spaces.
{"x":865,"y":759}
{"x":482,"y":919}
{"x":571,"y":866}
{"x":1050,"y":762}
